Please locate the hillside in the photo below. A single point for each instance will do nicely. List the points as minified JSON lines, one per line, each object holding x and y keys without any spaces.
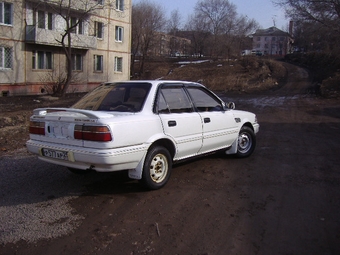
{"x":247,"y":74}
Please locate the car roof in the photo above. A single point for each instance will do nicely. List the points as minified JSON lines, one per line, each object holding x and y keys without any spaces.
{"x":157,"y":82}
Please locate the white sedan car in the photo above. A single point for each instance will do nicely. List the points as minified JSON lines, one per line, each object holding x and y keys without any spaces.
{"x":141,"y":126}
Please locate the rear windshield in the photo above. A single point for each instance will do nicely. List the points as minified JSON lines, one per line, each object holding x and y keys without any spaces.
{"x":119,"y":97}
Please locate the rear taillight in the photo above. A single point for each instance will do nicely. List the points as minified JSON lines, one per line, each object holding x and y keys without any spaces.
{"x":37,"y":128}
{"x":92,"y":133}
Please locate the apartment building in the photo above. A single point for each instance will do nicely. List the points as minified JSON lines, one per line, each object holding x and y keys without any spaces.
{"x":32,"y":59}
{"x":272,"y":41}
{"x":170,"y":45}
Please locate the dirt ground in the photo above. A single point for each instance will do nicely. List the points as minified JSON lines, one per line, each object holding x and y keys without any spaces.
{"x":15,"y":113}
{"x":284,"y":199}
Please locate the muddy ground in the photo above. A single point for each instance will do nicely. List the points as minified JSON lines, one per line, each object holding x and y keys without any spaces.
{"x":284,"y":199}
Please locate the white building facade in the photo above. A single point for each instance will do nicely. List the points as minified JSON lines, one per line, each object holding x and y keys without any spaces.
{"x":272,"y":41}
{"x":32,"y":59}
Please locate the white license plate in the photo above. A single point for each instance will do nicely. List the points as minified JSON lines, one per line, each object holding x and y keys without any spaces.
{"x":55,"y":154}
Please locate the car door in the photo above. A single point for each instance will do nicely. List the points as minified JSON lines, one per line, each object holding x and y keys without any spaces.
{"x":179,"y":120}
{"x":219,"y":126}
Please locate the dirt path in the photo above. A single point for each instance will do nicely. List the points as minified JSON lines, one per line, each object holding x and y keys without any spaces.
{"x":284,"y":199}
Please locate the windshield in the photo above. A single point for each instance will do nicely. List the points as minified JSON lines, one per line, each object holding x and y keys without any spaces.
{"x":119,"y":97}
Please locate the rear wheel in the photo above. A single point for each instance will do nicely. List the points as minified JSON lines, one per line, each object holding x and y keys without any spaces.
{"x":246,"y":142}
{"x":157,"y":168}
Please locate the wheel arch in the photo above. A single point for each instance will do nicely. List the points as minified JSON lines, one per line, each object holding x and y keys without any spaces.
{"x":164,"y":142}
{"x":233,"y":148}
{"x":248,"y":124}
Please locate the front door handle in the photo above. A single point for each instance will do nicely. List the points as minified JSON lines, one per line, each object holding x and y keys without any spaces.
{"x":206,"y":120}
{"x":172,"y":123}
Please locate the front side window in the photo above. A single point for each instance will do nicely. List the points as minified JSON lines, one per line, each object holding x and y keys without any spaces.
{"x":99,"y":29}
{"x":6,"y":13}
{"x":119,"y":34}
{"x":77,"y":62}
{"x":120,"y":5}
{"x":118,"y":64}
{"x":41,"y":60}
{"x":98,"y":63}
{"x":204,"y":101}
{"x":6,"y":58}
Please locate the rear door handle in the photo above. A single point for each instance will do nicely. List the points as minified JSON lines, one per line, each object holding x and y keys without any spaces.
{"x":172,"y":123}
{"x":206,"y":120}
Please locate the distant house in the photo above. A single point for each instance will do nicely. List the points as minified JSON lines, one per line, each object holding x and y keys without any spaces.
{"x":31,"y":56}
{"x":272,"y":41}
{"x":170,"y":45}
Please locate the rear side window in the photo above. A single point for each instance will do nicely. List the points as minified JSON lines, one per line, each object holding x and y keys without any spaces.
{"x":173,"y":100}
{"x":120,"y":97}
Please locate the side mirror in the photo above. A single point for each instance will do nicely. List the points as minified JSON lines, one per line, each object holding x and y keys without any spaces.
{"x":231,"y":105}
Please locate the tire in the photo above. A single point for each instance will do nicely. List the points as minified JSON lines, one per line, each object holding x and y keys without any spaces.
{"x":157,"y":168}
{"x":246,"y":142}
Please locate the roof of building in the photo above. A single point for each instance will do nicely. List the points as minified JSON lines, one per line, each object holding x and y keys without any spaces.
{"x":272,"y":31}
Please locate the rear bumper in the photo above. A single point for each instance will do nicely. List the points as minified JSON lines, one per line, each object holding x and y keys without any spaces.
{"x":106,"y":160}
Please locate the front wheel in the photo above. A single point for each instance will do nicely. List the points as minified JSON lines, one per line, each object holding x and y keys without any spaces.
{"x":246,"y":142}
{"x":157,"y":168}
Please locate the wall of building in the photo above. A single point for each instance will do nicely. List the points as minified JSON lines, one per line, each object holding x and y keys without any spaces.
{"x":23,"y":79}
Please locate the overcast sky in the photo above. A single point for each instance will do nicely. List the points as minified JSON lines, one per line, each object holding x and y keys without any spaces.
{"x":263,"y":11}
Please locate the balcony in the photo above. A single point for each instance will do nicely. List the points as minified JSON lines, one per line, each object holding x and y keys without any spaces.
{"x":51,"y":37}
{"x":75,"y":6}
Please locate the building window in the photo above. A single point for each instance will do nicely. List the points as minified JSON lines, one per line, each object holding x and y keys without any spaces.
{"x":118,"y":64}
{"x":99,"y":29}
{"x":120,"y":5}
{"x":49,"y":21}
{"x":273,"y":39}
{"x":80,"y":27}
{"x":45,"y":20}
{"x":259,"y":38}
{"x":41,"y":19}
{"x":101,"y":2}
{"x":77,"y":26}
{"x":77,"y":62}
{"x":119,"y":34}
{"x":98,"y":63}
{"x":6,"y":13}
{"x":5,"y":58}
{"x":41,"y":60}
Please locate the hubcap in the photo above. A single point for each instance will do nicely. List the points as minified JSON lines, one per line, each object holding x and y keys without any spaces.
{"x":158,"y":168}
{"x":244,"y":142}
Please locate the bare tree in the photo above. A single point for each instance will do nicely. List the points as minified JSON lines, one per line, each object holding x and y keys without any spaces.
{"x":325,"y":12}
{"x":219,"y":16}
{"x":148,"y":20}
{"x":317,"y":23}
{"x":237,"y":37}
{"x":199,"y":34}
{"x":174,"y":22}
